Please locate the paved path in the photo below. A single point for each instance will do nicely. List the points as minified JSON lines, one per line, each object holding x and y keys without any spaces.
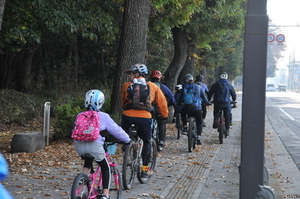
{"x":210,"y":172}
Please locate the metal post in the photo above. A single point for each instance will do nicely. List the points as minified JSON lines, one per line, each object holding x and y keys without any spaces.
{"x":46,"y":122}
{"x":253,"y":104}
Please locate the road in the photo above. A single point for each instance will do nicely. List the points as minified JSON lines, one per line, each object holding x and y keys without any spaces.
{"x":282,"y":110}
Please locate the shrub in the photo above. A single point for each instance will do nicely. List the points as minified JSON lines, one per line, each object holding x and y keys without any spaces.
{"x":65,"y":118}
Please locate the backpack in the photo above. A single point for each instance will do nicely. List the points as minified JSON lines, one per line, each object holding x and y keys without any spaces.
{"x":189,"y":94}
{"x":138,"y":97}
{"x":87,"y":126}
{"x":222,"y":94}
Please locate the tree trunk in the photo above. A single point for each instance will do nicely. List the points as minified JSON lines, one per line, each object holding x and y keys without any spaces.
{"x":132,"y":47}
{"x":24,"y":71}
{"x":190,"y":61}
{"x":179,"y":59}
{"x":2,"y":5}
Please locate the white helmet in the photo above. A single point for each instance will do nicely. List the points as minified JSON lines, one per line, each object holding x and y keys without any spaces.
{"x":95,"y":99}
{"x":223,"y":75}
{"x":178,"y":87}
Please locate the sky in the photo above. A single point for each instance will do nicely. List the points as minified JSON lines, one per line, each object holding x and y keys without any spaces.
{"x":286,"y":12}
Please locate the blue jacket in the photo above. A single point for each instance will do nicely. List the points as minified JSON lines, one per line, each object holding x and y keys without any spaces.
{"x":167,"y":92}
{"x":3,"y":173}
{"x":221,"y":99}
{"x":199,"y":96}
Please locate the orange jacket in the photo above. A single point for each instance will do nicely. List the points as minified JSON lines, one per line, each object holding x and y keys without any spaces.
{"x":156,"y":96}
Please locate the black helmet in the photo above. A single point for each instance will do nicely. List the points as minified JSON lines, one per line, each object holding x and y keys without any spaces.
{"x":199,"y":78}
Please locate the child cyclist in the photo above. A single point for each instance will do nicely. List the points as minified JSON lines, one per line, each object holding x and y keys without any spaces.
{"x":94,"y":99}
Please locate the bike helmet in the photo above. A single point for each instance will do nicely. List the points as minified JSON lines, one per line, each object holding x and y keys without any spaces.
{"x":156,"y":74}
{"x":188,"y":77}
{"x":178,"y":87}
{"x":139,"y":68}
{"x":223,"y":75}
{"x":199,"y":78}
{"x":94,"y":99}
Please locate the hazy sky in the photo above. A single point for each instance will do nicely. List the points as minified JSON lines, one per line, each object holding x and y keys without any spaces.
{"x":286,"y":12}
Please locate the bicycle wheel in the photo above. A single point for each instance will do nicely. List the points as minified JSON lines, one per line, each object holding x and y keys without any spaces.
{"x":129,"y":160}
{"x":115,"y":190}
{"x":221,"y":128}
{"x":80,"y":188}
{"x":191,"y":135}
{"x":178,"y":125}
{"x":151,"y":164}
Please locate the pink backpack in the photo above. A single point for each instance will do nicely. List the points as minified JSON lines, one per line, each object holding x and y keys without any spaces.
{"x":87,"y":126}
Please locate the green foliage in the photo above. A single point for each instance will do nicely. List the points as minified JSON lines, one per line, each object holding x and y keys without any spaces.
{"x":65,"y":117}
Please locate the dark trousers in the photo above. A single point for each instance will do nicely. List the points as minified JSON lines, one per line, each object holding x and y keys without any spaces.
{"x":161,"y":124}
{"x":226,"y":111}
{"x":187,"y":110}
{"x":143,"y":131}
{"x":204,"y":111}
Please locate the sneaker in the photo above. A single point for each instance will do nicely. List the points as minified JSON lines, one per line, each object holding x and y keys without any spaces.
{"x":184,"y":133}
{"x":203,"y":124}
{"x":199,"y":140}
{"x":146,"y":172}
{"x":174,"y":119}
{"x":161,"y":145}
{"x":226,"y":133}
{"x":215,"y":125}
{"x":185,"y":129}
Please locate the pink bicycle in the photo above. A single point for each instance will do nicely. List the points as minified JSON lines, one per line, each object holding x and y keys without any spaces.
{"x":89,"y":187}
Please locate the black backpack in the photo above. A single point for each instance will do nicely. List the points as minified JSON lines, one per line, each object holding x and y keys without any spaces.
{"x":138,"y":97}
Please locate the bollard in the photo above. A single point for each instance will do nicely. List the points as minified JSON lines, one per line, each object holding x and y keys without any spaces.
{"x":46,"y":122}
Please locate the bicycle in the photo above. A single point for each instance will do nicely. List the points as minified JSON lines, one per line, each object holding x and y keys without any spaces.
{"x":221,"y":123}
{"x":89,"y":187}
{"x":192,"y":134}
{"x":178,"y":125}
{"x":132,"y":160}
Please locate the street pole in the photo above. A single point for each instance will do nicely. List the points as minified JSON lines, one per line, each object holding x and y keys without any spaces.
{"x":253,"y":104}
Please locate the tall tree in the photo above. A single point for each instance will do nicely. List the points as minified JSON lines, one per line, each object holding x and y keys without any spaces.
{"x":2,"y":5}
{"x":132,"y":45}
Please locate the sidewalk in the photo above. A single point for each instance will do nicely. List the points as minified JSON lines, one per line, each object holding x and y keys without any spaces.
{"x":209,"y":172}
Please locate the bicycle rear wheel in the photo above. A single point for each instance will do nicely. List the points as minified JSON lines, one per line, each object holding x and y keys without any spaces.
{"x":115,"y":190}
{"x":129,"y":159}
{"x":151,"y":164}
{"x":178,"y":125}
{"x":221,"y":128}
{"x":80,"y":188}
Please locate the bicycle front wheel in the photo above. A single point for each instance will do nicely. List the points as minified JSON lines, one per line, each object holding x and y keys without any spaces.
{"x":128,"y":168}
{"x":152,"y":162}
{"x":115,"y":185}
{"x":178,"y":125}
{"x":80,"y":188}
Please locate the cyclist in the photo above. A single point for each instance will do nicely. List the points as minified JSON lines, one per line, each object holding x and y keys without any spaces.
{"x":94,"y":99}
{"x":142,"y":118}
{"x":199,"y":81}
{"x":221,"y":92}
{"x":194,"y":109}
{"x":177,"y":107}
{"x":156,"y":78}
